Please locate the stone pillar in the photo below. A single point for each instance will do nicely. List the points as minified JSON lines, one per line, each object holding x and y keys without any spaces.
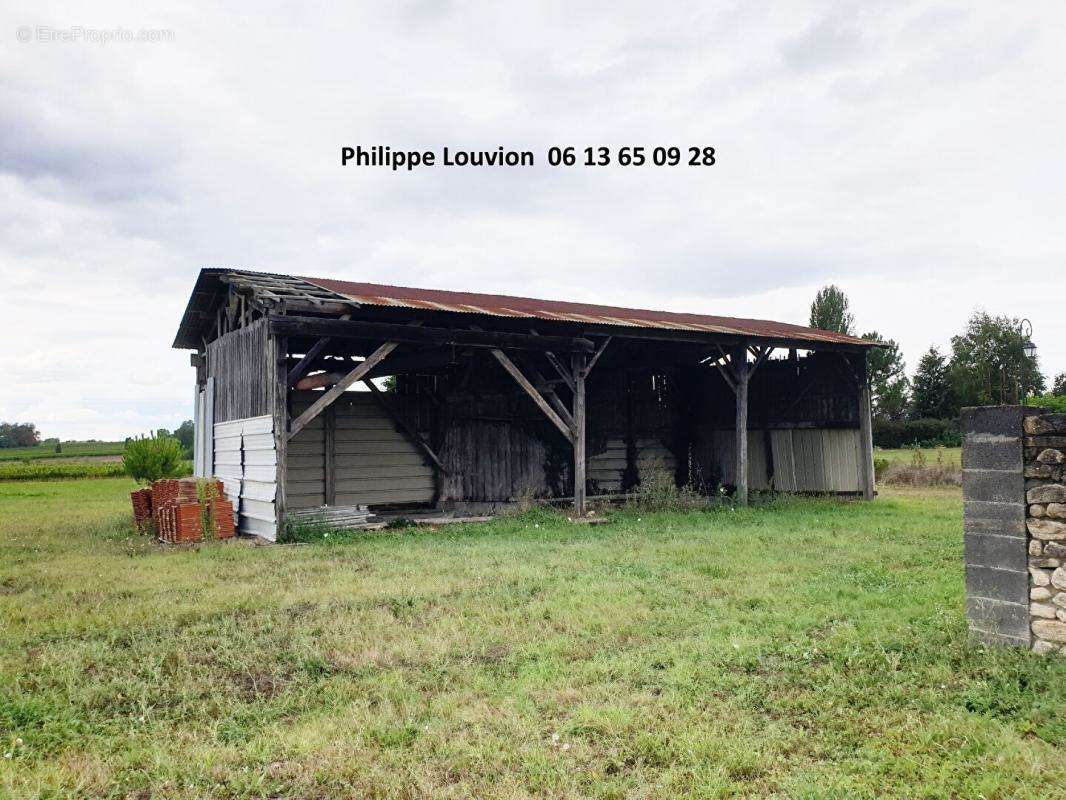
{"x":1014,"y":505}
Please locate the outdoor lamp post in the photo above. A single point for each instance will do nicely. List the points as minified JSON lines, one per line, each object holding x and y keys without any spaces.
{"x":1029,"y":348}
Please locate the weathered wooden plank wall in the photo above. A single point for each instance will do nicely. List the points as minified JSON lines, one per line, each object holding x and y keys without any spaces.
{"x":243,"y":368}
{"x":499,"y":448}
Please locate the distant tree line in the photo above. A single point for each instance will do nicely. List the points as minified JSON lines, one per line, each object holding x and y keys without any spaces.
{"x":19,"y":434}
{"x":987,"y":365}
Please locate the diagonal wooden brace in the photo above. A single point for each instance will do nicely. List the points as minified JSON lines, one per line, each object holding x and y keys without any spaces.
{"x":407,"y":428}
{"x":340,"y":388}
{"x":542,"y":404}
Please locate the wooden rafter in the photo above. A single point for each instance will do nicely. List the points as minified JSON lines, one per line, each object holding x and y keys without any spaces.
{"x":312,"y":353}
{"x":597,"y":354}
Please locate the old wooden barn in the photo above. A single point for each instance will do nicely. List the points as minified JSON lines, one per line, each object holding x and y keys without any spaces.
{"x":493,"y":399}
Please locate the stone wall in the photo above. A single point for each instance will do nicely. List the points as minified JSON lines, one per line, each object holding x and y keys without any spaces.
{"x":1045,"y":494}
{"x":1014,"y":499}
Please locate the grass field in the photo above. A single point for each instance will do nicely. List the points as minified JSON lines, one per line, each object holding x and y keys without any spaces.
{"x":905,"y":455}
{"x":68,"y":450}
{"x":811,"y":649}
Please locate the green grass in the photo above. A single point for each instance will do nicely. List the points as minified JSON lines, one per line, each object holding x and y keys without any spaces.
{"x":812,"y":649}
{"x":69,"y":449}
{"x":905,"y":455}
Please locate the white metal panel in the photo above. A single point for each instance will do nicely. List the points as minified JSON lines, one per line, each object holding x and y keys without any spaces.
{"x":258,"y":490}
{"x":250,"y":526}
{"x":258,"y":509}
{"x":261,"y":458}
{"x":254,"y":425}
{"x":233,"y":427}
{"x":258,"y":441}
{"x":228,"y":444}
{"x":267,"y":473}
{"x":246,"y":462}
{"x":209,"y":427}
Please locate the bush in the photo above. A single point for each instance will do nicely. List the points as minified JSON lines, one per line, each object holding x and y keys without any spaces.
{"x":152,"y":458}
{"x":881,"y":465}
{"x":892,"y":434}
{"x":920,"y":473}
{"x":1052,"y":402}
{"x":658,"y":491}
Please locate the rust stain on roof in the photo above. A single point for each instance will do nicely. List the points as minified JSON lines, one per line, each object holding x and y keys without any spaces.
{"x":374,"y":294}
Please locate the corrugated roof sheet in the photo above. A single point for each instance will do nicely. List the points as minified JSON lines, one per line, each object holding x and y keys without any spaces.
{"x":497,"y":305}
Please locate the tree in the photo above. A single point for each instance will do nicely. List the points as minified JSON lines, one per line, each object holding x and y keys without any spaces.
{"x":829,"y":311}
{"x":889,"y":386}
{"x":19,"y":434}
{"x":932,"y":395}
{"x":989,"y":365}
{"x":185,"y":433}
{"x":1059,"y":387}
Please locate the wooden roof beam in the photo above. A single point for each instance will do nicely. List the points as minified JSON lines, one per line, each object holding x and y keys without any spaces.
{"x":359,"y":329}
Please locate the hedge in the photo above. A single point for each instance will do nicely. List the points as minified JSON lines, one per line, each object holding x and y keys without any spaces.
{"x":917,"y":433}
{"x":1052,"y":402}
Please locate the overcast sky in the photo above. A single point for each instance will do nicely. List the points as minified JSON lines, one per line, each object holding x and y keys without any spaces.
{"x":909,"y":152}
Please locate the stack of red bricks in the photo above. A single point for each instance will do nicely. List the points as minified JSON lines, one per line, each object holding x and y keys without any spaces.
{"x":142,"y":509}
{"x":179,"y":509}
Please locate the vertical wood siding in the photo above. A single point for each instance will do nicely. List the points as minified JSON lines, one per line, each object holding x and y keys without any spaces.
{"x":242,"y":366}
{"x":498,"y":461}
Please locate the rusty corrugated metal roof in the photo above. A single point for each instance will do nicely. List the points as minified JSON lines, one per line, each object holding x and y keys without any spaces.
{"x":497,"y":305}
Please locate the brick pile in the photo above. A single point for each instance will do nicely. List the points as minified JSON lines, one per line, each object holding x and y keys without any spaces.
{"x":178,"y":514}
{"x":142,"y":509}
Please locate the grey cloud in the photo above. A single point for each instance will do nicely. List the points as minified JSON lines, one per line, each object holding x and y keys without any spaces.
{"x":850,"y":150}
{"x":830,"y":42}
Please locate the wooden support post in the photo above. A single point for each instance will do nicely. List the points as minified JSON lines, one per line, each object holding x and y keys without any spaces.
{"x":281,"y":418}
{"x":579,"y":372}
{"x":866,"y":442}
{"x":340,"y":387}
{"x":329,"y":424}
{"x":741,"y":376}
{"x":536,"y":396}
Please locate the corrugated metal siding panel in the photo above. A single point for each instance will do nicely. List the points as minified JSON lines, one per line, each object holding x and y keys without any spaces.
{"x":784,"y":461}
{"x":805,"y":460}
{"x":841,"y":448}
